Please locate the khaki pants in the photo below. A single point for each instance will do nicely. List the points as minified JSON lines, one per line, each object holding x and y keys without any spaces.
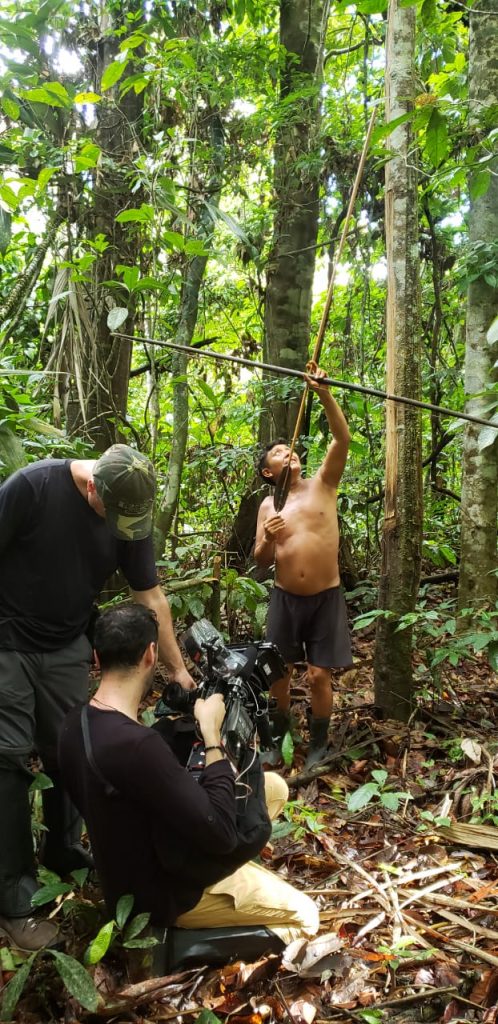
{"x":255,"y":896}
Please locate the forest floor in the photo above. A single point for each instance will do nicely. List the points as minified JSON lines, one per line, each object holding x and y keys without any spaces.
{"x":403,"y":865}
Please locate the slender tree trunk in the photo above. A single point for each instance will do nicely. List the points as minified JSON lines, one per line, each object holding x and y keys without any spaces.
{"x":402,"y":536}
{"x":478,"y":581}
{"x":291,"y":263}
{"x":184,"y":334}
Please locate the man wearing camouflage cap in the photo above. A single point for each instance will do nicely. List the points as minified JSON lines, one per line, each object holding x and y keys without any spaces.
{"x":65,"y":527}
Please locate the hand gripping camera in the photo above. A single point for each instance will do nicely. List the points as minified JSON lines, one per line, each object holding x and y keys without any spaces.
{"x":243,"y":675}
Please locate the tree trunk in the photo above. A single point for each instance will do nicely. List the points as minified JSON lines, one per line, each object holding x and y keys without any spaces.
{"x":106,"y":358}
{"x":402,"y":535}
{"x":291,"y":262}
{"x":184,"y":334}
{"x":478,"y":581}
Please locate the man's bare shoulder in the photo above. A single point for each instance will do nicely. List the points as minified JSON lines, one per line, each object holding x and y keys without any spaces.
{"x":266,"y":503}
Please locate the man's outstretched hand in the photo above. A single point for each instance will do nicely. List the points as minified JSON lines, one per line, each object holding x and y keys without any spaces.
{"x":315,"y":385}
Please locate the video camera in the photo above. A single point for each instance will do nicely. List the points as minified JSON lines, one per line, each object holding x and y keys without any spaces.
{"x":243,"y":675}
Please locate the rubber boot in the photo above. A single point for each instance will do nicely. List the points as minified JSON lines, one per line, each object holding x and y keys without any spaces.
{"x":61,"y":849}
{"x":317,"y":750}
{"x":280,"y":725}
{"x":187,"y":947}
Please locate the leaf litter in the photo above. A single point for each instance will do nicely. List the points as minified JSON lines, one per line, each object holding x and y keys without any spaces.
{"x":407,"y":897}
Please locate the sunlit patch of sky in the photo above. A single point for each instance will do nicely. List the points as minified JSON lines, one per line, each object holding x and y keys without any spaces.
{"x":244,"y":107}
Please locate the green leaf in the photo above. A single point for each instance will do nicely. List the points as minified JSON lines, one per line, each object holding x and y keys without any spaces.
{"x":123,"y":909}
{"x":174,"y":239}
{"x":58,"y":90}
{"x":9,"y":196}
{"x":77,"y":980}
{"x":492,"y":335}
{"x":144,"y":215}
{"x":11,"y":108}
{"x":40,"y":781}
{"x":144,"y":943}
{"x":48,"y":893}
{"x":288,"y":749}
{"x":100,"y":944}
{"x":136,"y":925}
{"x":112,"y":74}
{"x":436,"y":140}
{"x":428,"y":11}
{"x":45,"y":175}
{"x":479,"y":183}
{"x":362,"y":796}
{"x":87,"y":97}
{"x":380,"y":776}
{"x":116,"y":317}
{"x":487,"y":437}
{"x":390,"y":800}
{"x":13,"y":990}
{"x":208,"y":1017}
{"x":493,"y":655}
{"x":42,"y":96}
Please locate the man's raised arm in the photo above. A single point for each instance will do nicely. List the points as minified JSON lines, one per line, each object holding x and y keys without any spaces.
{"x":334,"y":462}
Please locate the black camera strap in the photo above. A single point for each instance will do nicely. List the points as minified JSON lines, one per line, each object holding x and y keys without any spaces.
{"x":109,"y":789}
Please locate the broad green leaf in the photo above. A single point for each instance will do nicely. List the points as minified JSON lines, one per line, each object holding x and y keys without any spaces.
{"x":428,"y":11}
{"x":40,"y":781}
{"x":436,"y":141}
{"x":49,"y":893}
{"x":13,"y":990}
{"x":112,"y":74}
{"x":209,"y":393}
{"x":136,"y":925}
{"x":123,"y":909}
{"x":174,"y":239}
{"x":362,"y":796}
{"x":77,"y":980}
{"x":288,"y":749}
{"x":45,"y":175}
{"x":144,"y":215}
{"x":479,"y":183}
{"x":116,"y":317}
{"x":487,"y":437}
{"x":380,"y":776}
{"x":137,"y":39}
{"x":385,"y":129}
{"x":9,"y":196}
{"x":87,"y":97}
{"x":208,"y":1017}
{"x":58,"y":90}
{"x":43,"y":96}
{"x":100,"y":944}
{"x":492,"y":335}
{"x":11,"y":108}
{"x":390,"y":800}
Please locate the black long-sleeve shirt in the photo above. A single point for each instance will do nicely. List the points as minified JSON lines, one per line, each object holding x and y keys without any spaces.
{"x":162,"y":836}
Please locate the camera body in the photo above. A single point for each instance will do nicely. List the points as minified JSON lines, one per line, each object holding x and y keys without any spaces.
{"x":243,"y":675}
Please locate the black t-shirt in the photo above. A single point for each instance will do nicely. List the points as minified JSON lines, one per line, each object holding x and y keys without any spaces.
{"x":55,"y":555}
{"x":162,"y":837}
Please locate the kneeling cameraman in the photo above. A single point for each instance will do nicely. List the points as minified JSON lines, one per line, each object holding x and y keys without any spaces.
{"x":178,"y":845}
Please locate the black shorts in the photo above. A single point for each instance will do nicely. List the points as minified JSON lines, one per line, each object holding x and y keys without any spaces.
{"x":312,"y":628}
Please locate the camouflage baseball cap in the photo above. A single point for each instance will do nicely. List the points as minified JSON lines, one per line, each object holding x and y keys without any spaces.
{"x":126,"y":484}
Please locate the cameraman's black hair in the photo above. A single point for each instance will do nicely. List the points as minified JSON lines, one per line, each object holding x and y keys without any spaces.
{"x":262,"y":460}
{"x":122,"y":635}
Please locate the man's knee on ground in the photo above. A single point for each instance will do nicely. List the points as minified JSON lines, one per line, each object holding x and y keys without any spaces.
{"x":276,"y":794}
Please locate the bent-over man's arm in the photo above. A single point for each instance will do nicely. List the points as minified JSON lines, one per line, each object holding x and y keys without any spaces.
{"x":169,"y":652}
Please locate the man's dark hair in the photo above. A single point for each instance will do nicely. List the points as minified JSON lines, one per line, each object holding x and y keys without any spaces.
{"x":122,"y":635}
{"x":262,"y":460}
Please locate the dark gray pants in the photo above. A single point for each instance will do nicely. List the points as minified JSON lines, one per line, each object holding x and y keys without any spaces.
{"x":36,"y":692}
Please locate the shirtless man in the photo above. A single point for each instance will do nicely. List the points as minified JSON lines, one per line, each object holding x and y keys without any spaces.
{"x":307,"y":613}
